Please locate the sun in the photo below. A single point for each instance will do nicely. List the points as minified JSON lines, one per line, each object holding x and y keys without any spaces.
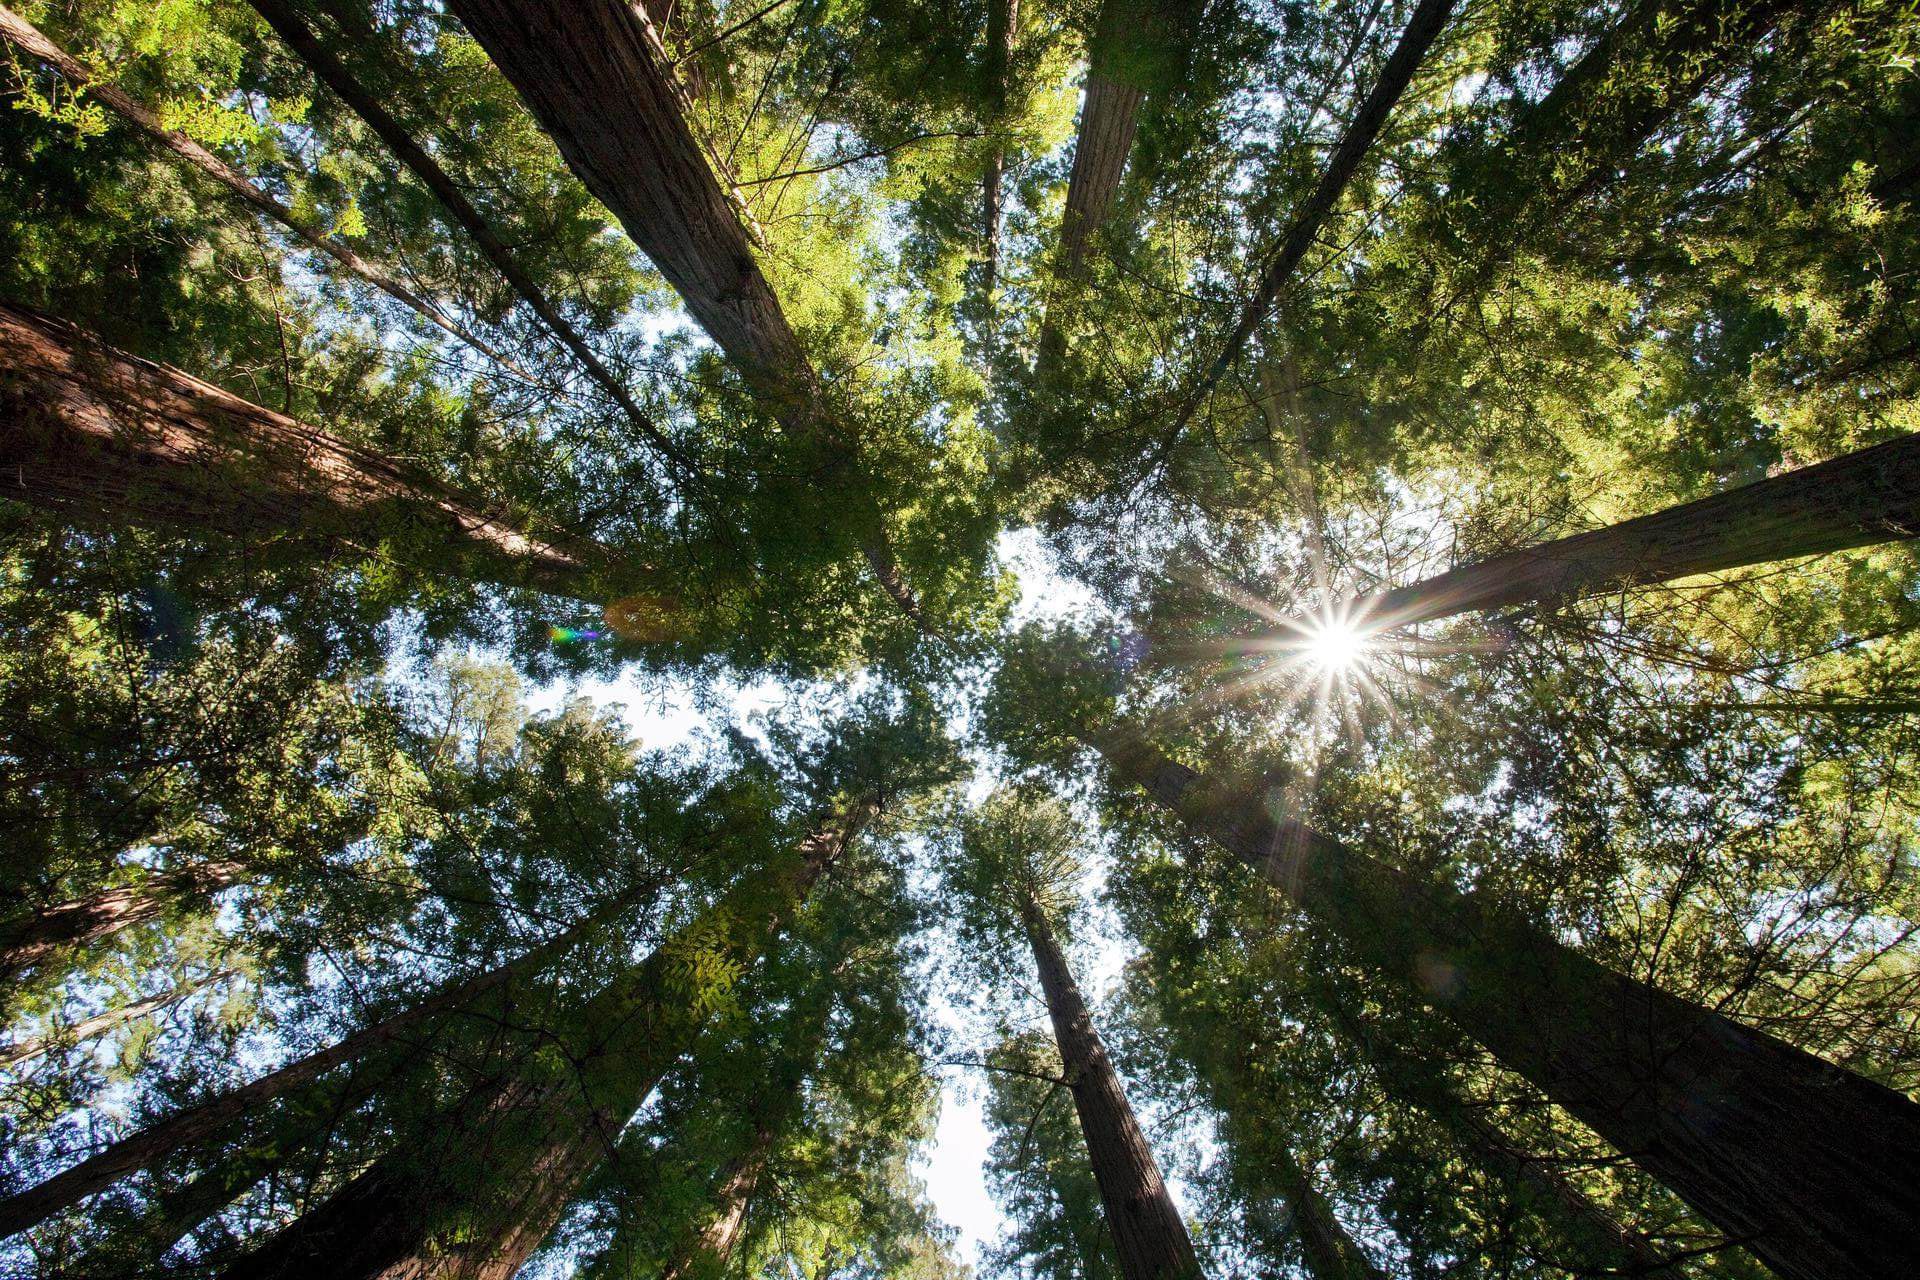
{"x":1335,"y":646}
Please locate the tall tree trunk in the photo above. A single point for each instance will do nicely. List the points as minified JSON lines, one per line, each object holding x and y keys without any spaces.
{"x":1003,"y":24}
{"x":30,"y":39}
{"x":286,"y":20}
{"x":1108,"y":119}
{"x":1330,"y":1253}
{"x":1812,"y":1167}
{"x":1599,"y":1238}
{"x":30,"y":940}
{"x":1855,"y":500}
{"x":479,"y":1191}
{"x":1149,"y":1238}
{"x":204,"y":1120}
{"x":704,"y":1254}
{"x":1422,"y":29}
{"x":598,"y":87}
{"x":85,"y":427}
{"x":73,"y":1033}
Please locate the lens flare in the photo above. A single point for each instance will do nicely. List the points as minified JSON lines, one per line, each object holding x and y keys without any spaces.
{"x":1336,"y":645}
{"x":566,"y":635}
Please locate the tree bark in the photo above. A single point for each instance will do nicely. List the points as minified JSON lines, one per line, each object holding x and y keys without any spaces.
{"x":478,"y":1192}
{"x":29,"y":38}
{"x":29,"y":941}
{"x":599,"y":88}
{"x":1855,"y":500}
{"x":203,"y":1120}
{"x":1003,"y":23}
{"x":73,"y":1033}
{"x":1813,"y":1168}
{"x":704,"y":1255}
{"x":1108,"y":119}
{"x":85,"y":427}
{"x":1149,"y":1237}
{"x":1330,"y":1253}
{"x":332,"y":72}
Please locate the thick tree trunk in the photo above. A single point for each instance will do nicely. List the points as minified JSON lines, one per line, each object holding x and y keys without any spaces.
{"x":1855,"y":500}
{"x":478,"y":1192}
{"x":85,"y":427}
{"x":1149,"y":1238}
{"x":31,"y":940}
{"x":704,"y":1255}
{"x":29,"y":38}
{"x":1108,"y":119}
{"x":1812,"y":1167}
{"x":286,"y":20}
{"x":74,"y":1033}
{"x":204,"y":1120}
{"x":595,"y":81}
{"x":1330,"y":1253}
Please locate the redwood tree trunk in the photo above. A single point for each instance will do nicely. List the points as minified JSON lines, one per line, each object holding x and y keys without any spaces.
{"x":479,"y":1191}
{"x":1813,"y":1168}
{"x":1855,"y":500}
{"x":27,"y":942}
{"x":1003,"y":21}
{"x":1331,"y":1254}
{"x":84,"y":427}
{"x":704,"y":1255}
{"x":1149,"y":1238}
{"x":1108,"y":119}
{"x":99,"y":1024}
{"x":205,"y":1119}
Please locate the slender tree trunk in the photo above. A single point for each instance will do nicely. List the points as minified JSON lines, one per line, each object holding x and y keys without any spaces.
{"x":203,"y":1120}
{"x":1003,"y":23}
{"x":596,"y":83}
{"x":1855,"y":500}
{"x":480,"y":1190}
{"x":287,"y":21}
{"x":31,"y":40}
{"x":100,"y":1023}
{"x":1149,"y":1238}
{"x":1812,"y":1167}
{"x":85,"y":427}
{"x":704,"y":1255}
{"x":30,"y":941}
{"x":1330,"y":1253}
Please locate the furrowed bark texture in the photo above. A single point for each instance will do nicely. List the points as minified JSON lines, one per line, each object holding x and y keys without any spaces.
{"x":476,"y":1194}
{"x":705,"y":1255}
{"x":1813,"y":1168}
{"x":287,"y":22}
{"x":1108,"y":119}
{"x":1855,"y":500}
{"x":1149,"y":1238}
{"x":85,"y":427}
{"x":30,"y":941}
{"x":596,"y":84}
{"x":204,"y":1120}
{"x":29,"y":38}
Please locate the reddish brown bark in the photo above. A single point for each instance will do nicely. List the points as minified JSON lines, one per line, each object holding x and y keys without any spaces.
{"x":1149,"y":1238}
{"x":91,"y":429}
{"x":30,"y":940}
{"x":29,"y":38}
{"x":475,"y":1195}
{"x":1330,"y":1253}
{"x":1813,"y":1168}
{"x":704,"y":1255}
{"x":1108,"y":119}
{"x":1855,"y":500}
{"x":197,"y":1123}
{"x":332,"y":72}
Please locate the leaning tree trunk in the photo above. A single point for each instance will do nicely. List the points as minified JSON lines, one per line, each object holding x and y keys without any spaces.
{"x":287,"y":21}
{"x":83,"y":922}
{"x":476,"y":1193}
{"x":599,"y":88}
{"x":86,"y":428}
{"x":72,"y":1033}
{"x":23,"y":34}
{"x":204,"y":1120}
{"x":703,"y":1255}
{"x":1149,"y":1238}
{"x":1813,"y":1168}
{"x":1330,"y":1253}
{"x":1855,"y":500}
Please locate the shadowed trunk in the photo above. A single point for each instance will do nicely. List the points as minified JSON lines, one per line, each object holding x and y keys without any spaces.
{"x":1108,"y":119}
{"x":204,"y":1120}
{"x":31,"y":940}
{"x":1813,"y":1168}
{"x":91,"y":429}
{"x":1855,"y":500}
{"x":29,"y":38}
{"x":704,"y":1255}
{"x":1003,"y":21}
{"x":74,"y":1033}
{"x":595,"y":81}
{"x":1330,"y":1253}
{"x":478,"y":1191}
{"x":1149,"y":1238}
{"x":285,"y":19}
